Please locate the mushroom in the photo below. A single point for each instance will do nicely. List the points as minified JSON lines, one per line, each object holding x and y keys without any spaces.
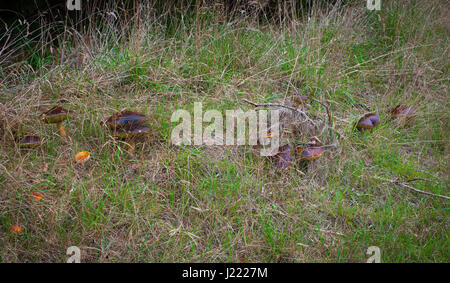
{"x":82,"y":157}
{"x":310,"y":153}
{"x":130,"y":133}
{"x":300,"y":100}
{"x":57,"y":115}
{"x":127,"y":125}
{"x":283,"y":158}
{"x":124,"y":118}
{"x":16,"y":229}
{"x":36,"y":196}
{"x":403,"y":112}
{"x":30,"y":141}
{"x":368,"y":121}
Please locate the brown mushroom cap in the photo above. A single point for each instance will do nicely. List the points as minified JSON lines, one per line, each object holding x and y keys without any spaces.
{"x":56,"y":115}
{"x":124,"y":118}
{"x":300,"y":99}
{"x":131,"y":131}
{"x":30,"y":141}
{"x":402,"y":111}
{"x":310,"y":153}
{"x":368,"y":121}
{"x":283,"y":158}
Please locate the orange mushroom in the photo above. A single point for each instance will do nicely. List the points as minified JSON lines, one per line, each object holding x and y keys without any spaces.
{"x":37,"y":196}
{"x":82,"y":157}
{"x":16,"y":229}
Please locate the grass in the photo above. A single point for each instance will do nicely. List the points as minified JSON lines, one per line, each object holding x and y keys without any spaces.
{"x":226,"y":204}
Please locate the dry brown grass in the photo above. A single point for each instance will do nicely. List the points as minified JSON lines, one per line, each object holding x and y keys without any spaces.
{"x":219,"y":204}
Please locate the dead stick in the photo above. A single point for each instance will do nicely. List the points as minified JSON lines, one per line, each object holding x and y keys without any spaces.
{"x":330,"y":120}
{"x":422,"y":179}
{"x":280,"y":105}
{"x":327,"y":107}
{"x":411,"y":188}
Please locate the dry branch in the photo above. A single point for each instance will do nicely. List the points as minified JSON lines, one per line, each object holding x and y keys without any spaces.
{"x":283,"y":106}
{"x":411,"y":188}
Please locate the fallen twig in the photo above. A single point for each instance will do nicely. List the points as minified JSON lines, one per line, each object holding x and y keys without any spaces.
{"x":327,"y":107}
{"x":330,"y":119}
{"x":280,"y":105}
{"x":330,"y":232}
{"x":422,"y":179}
{"x":410,"y":187}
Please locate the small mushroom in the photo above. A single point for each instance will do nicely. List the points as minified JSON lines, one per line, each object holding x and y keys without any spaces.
{"x":30,"y":141}
{"x":283,"y":158}
{"x":368,"y":121}
{"x":57,"y":115}
{"x":36,"y":196}
{"x":124,"y":118}
{"x":16,"y":229}
{"x":130,"y":133}
{"x":300,"y":100}
{"x":402,"y":111}
{"x":82,"y":157}
{"x":310,"y":153}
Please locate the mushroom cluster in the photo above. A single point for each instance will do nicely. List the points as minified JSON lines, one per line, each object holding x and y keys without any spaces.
{"x":401,"y":112}
{"x":312,"y":150}
{"x":56,"y":115}
{"x":127,"y":126}
{"x":307,"y":154}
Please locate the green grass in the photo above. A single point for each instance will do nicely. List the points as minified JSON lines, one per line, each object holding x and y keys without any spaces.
{"x":228,"y":204}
